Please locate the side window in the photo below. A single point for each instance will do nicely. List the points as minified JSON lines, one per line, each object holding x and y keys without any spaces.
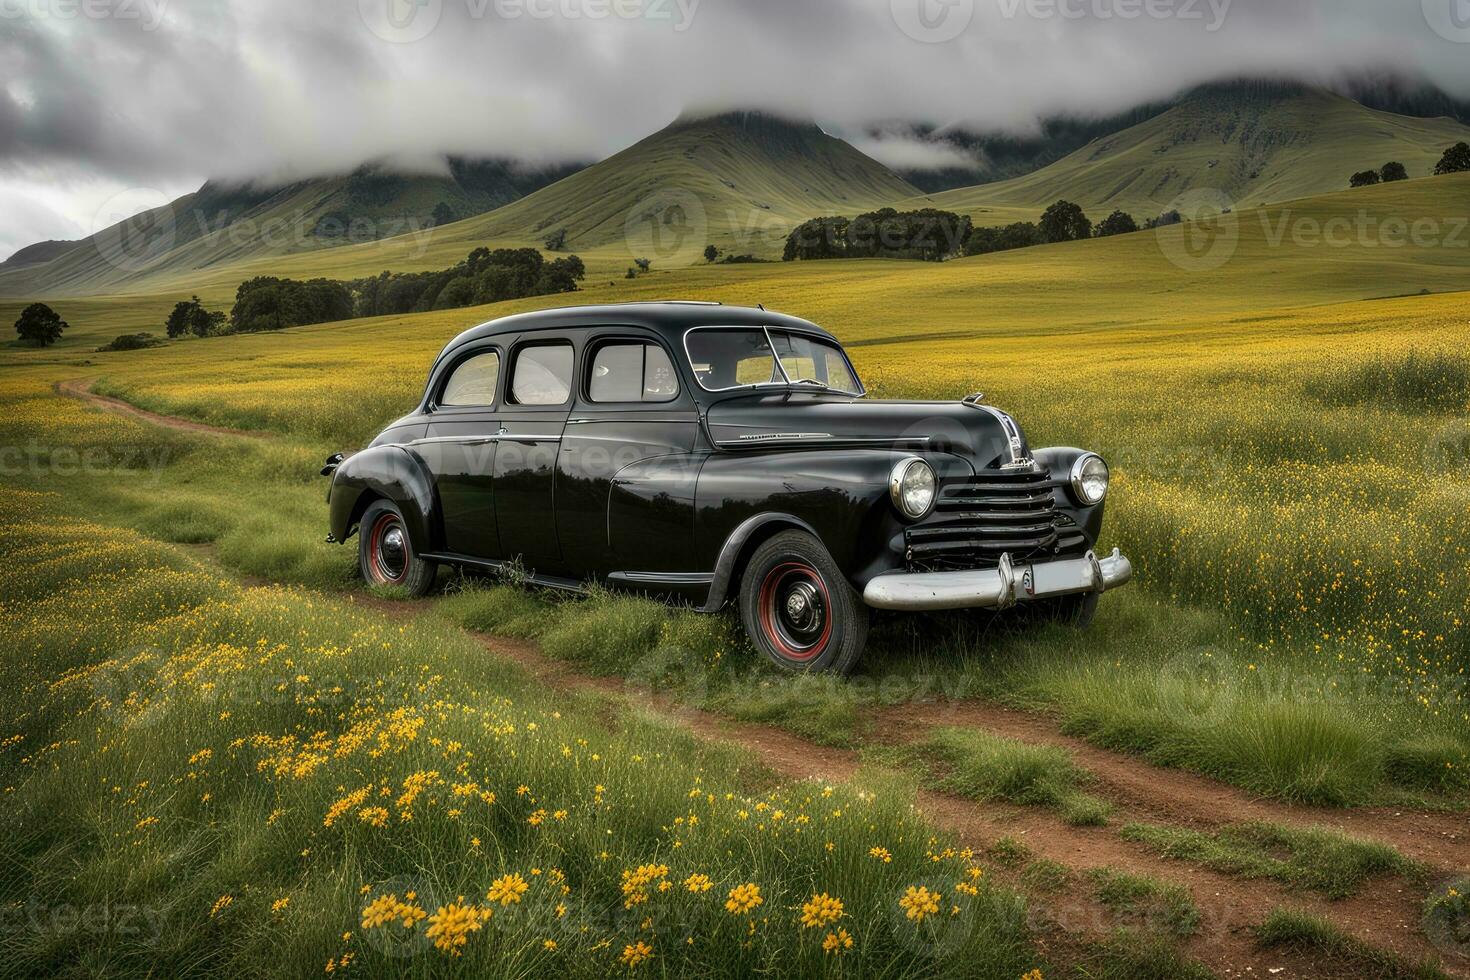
{"x":632,"y":372}
{"x":542,"y":375}
{"x":474,"y":381}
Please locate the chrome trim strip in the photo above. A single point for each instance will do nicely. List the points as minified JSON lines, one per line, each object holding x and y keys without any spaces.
{"x":1017,"y":445}
{"x":633,"y":417}
{"x":762,"y":436}
{"x":481,"y":440}
{"x":748,"y":440}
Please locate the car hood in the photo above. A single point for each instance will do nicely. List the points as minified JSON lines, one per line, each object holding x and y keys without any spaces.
{"x":984,"y":435}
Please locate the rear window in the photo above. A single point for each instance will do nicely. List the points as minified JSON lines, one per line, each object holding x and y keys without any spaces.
{"x":474,"y":381}
{"x":542,"y":375}
{"x":632,"y":372}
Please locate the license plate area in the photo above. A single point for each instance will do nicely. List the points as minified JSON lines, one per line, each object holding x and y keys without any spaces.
{"x":1055,"y":578}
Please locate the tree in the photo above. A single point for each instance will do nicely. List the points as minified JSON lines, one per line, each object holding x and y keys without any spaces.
{"x":557,"y":240}
{"x":1117,"y":223}
{"x":1065,"y":222}
{"x":711,"y":253}
{"x":177,"y":323}
{"x":192,"y":317}
{"x":1363,"y":178}
{"x":1456,"y":160}
{"x":1393,"y":170}
{"x":40,"y":325}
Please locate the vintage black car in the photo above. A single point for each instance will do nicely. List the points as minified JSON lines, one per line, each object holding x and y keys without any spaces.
{"x":714,"y":454}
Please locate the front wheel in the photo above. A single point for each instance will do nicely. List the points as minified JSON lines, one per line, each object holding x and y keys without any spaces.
{"x":798,"y":608}
{"x":1071,"y":610}
{"x":385,"y":553}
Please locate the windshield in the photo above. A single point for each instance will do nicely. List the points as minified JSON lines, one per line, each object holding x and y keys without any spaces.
{"x":735,"y":357}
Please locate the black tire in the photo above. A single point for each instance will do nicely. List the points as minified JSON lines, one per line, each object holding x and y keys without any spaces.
{"x":798,"y":608}
{"x":385,"y":554}
{"x":1076,"y":610}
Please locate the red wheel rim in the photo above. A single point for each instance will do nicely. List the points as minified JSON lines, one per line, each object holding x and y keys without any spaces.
{"x":795,"y":611}
{"x":389,"y":553}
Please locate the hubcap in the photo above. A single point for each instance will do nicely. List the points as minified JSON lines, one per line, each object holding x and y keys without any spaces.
{"x":794,"y":610}
{"x":390,"y":554}
{"x":804,"y":612}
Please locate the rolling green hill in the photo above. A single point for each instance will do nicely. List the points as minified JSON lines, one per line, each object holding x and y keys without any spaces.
{"x":1255,"y":144}
{"x":740,"y":180}
{"x":228,"y":223}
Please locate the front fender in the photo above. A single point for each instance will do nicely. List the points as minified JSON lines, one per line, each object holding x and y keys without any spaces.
{"x":392,"y":473}
{"x":839,"y":496}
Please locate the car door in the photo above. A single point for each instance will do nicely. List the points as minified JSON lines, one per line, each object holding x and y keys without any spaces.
{"x":626,"y":480}
{"x":459,"y":448}
{"x":538,"y":395}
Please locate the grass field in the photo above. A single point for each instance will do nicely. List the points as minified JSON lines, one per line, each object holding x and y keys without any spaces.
{"x":1287,"y":433}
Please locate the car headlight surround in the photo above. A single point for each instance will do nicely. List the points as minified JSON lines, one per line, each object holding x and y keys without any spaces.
{"x":913,"y":487}
{"x":1090,"y":479}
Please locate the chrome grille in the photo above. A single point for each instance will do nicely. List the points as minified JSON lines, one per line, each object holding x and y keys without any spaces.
{"x":975,"y":521}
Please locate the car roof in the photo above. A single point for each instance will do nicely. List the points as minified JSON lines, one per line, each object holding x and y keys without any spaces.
{"x":669,"y":317}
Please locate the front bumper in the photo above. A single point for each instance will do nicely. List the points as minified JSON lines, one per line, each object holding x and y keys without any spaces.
{"x":1000,"y":587}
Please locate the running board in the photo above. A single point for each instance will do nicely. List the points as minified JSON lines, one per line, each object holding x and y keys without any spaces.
{"x":505,"y":567}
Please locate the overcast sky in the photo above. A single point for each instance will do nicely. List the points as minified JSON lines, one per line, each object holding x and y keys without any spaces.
{"x":147,"y":98}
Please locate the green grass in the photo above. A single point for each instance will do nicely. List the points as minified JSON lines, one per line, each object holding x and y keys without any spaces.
{"x":1128,"y":955}
{"x":1046,"y":875}
{"x":1153,"y":906}
{"x":175,"y":739}
{"x":984,"y":766}
{"x":1313,"y":858}
{"x":1293,"y":929}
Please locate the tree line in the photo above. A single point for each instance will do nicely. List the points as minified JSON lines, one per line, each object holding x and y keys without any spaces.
{"x":274,"y":303}
{"x":934,"y":235}
{"x":1455,"y":160}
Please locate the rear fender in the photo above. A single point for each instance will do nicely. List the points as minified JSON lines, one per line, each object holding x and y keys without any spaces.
{"x":391,"y":473}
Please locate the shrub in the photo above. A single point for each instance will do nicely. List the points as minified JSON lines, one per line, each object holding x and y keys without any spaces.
{"x":131,"y":341}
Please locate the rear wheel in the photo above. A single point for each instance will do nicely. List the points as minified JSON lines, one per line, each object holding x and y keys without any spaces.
{"x":385,"y":553}
{"x":799,"y":609}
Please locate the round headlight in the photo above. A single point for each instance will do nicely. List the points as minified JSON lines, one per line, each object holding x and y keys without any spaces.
{"x":1090,"y":479}
{"x":912,"y":487}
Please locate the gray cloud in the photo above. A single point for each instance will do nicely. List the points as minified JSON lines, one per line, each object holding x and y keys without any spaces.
{"x":285,"y":88}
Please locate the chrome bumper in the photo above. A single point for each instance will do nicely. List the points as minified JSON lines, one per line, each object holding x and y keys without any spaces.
{"x":997,"y":588}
